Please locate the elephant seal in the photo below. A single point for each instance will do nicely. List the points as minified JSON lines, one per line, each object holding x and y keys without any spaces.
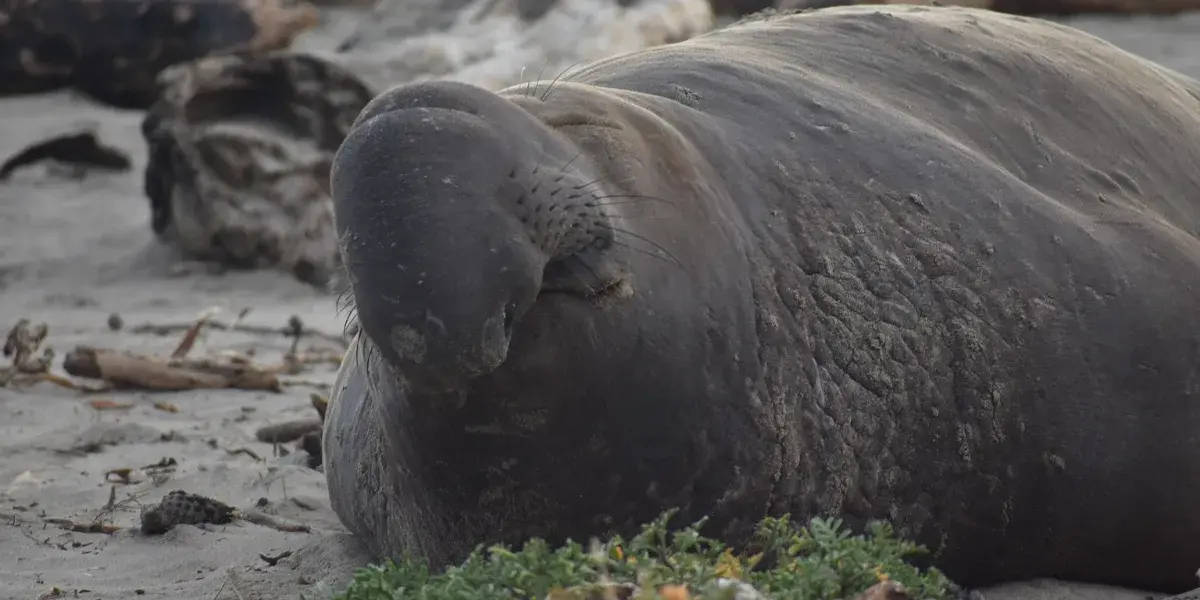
{"x":113,"y":50}
{"x":1043,"y":8}
{"x":931,"y":265}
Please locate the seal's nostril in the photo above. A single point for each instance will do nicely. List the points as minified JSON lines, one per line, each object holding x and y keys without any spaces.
{"x":509,"y":314}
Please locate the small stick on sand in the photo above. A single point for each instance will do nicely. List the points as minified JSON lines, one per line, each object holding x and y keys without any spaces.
{"x":192,"y":332}
{"x":288,"y":431}
{"x":320,"y":403}
{"x":70,"y":525}
{"x":20,"y":381}
{"x":321,"y":385}
{"x":246,"y":451}
{"x":169,"y":328}
{"x":250,"y":515}
{"x":233,"y":583}
{"x":274,"y":560}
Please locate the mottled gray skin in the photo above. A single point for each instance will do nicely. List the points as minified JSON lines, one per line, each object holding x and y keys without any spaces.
{"x":932,"y":265}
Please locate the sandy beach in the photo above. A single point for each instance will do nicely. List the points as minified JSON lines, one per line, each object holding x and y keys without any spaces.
{"x":76,"y":249}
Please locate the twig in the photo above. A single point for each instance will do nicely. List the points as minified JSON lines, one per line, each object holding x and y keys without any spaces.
{"x":23,"y":381}
{"x":321,"y":385}
{"x":274,"y":560}
{"x":320,"y":403}
{"x":170,"y":328}
{"x":70,"y":525}
{"x":288,"y":431}
{"x":192,"y":332}
{"x":233,"y":583}
{"x":112,"y":499}
{"x":261,"y":518}
{"x":247,"y":452}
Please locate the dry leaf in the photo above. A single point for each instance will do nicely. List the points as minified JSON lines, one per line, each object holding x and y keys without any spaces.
{"x":674,"y":592}
{"x":108,"y":405}
{"x":122,"y":475}
{"x":885,"y":590}
{"x":728,"y":565}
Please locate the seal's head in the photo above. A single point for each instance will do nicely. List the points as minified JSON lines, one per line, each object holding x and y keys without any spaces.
{"x":450,"y":202}
{"x":555,"y":306}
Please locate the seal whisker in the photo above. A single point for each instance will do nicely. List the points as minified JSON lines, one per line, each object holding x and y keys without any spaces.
{"x":550,"y":87}
{"x":601,"y":179}
{"x":616,"y":229}
{"x":563,"y":169}
{"x":642,"y":251}
{"x":346,"y":307}
{"x":635,"y":201}
{"x":343,"y":298}
{"x":534,"y":83}
{"x":367,"y":356}
{"x":631,"y":197}
{"x":592,"y":182}
{"x":351,"y":318}
{"x":536,"y":168}
{"x":345,"y":295}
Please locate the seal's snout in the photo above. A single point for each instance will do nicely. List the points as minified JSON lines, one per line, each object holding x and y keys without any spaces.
{"x":437,"y":357}
{"x":441,"y":319}
{"x":439,"y":269}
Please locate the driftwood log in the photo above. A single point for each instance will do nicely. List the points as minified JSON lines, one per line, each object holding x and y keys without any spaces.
{"x":125,"y":370}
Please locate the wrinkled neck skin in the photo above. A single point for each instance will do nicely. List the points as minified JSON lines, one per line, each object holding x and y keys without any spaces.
{"x":613,"y":401}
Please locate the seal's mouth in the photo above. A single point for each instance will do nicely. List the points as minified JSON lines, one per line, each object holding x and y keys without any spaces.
{"x":424,"y":378}
{"x":587,"y":274}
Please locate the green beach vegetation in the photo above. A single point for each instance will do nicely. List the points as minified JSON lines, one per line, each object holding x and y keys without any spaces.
{"x":823,"y":561}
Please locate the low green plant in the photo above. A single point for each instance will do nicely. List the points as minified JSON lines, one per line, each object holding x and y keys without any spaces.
{"x":824,"y":561}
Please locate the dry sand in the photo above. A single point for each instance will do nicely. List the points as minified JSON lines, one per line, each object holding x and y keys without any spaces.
{"x":75,"y":249}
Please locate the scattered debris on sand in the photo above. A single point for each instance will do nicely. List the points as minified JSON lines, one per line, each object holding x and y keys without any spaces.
{"x":307,"y":431}
{"x":182,"y":508}
{"x":21,"y":346}
{"x":123,"y":370}
{"x":290,"y":431}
